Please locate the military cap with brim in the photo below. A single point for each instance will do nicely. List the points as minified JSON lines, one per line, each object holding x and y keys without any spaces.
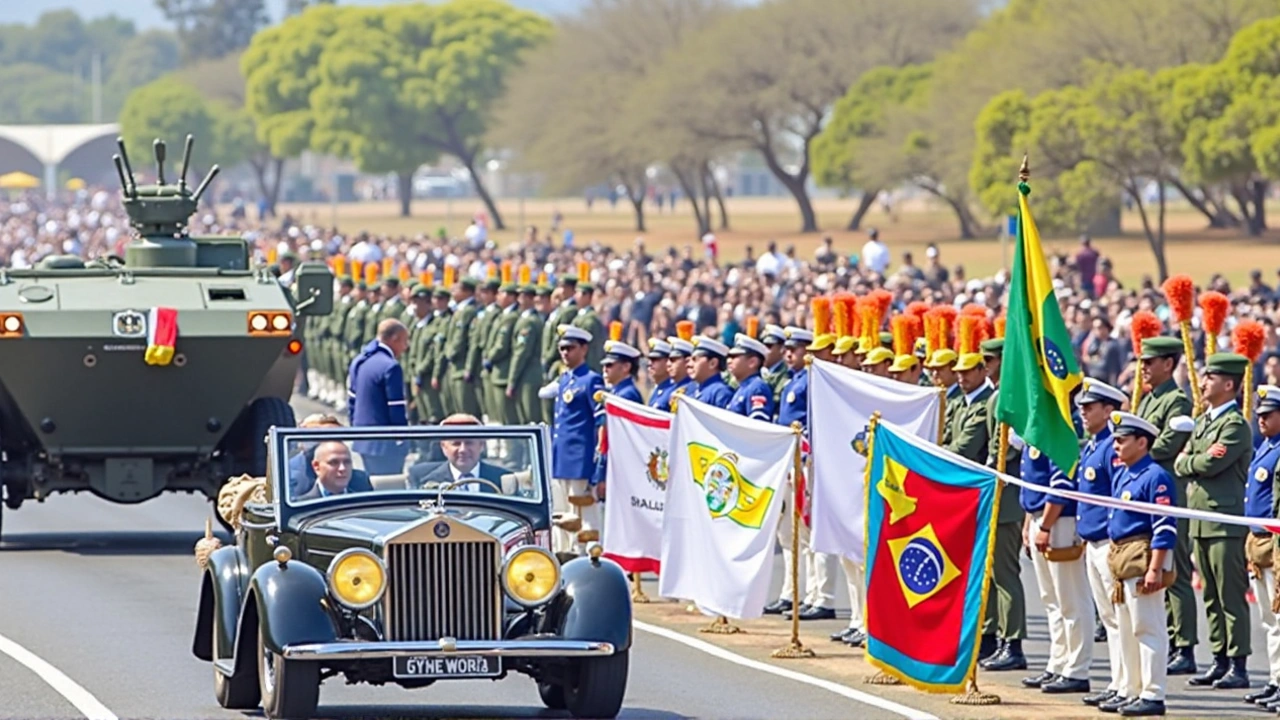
{"x":1268,"y":399}
{"x":875,"y":356}
{"x":391,"y":281}
{"x":773,"y":335}
{"x":659,"y":349}
{"x":845,"y":344}
{"x":509,"y":288}
{"x":703,"y":345}
{"x":615,"y":350}
{"x":586,"y":287}
{"x":492,"y":284}
{"x":822,"y":342}
{"x":346,"y":283}
{"x":1092,"y":391}
{"x":469,"y":282}
{"x":543,"y":291}
{"x":941,"y":358}
{"x":569,"y":280}
{"x":680,"y":348}
{"x":571,"y":334}
{"x":527,"y":289}
{"x":903,"y":363}
{"x":992,"y":348}
{"x":969,"y":361}
{"x":798,"y":337}
{"x":1162,"y":346}
{"x":420,"y":290}
{"x":1124,"y":424}
{"x":441,"y":293}
{"x":1226,"y":364}
{"x":743,"y":344}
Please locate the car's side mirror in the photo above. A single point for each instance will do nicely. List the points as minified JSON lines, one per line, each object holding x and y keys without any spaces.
{"x":314,"y":288}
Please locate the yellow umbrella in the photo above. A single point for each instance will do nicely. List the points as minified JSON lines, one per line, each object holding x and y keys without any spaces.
{"x":18,"y":180}
{"x":75,"y":184}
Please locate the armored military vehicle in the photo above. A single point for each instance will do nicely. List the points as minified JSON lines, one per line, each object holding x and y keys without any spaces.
{"x":96,"y":392}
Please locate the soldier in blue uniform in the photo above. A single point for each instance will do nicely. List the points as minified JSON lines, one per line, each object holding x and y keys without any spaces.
{"x":1058,"y":561}
{"x":1143,"y":547}
{"x":376,"y":397}
{"x":1098,"y":466}
{"x":794,"y":406}
{"x":573,"y":443}
{"x":1259,"y":502}
{"x":678,"y":363}
{"x":754,"y":397}
{"x":660,"y":373}
{"x":619,"y":365}
{"x":708,"y":363}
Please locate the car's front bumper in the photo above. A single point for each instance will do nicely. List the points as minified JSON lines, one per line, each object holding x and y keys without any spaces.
{"x":365,"y":650}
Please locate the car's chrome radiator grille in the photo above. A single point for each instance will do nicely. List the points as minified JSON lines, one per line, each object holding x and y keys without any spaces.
{"x":440,"y":590}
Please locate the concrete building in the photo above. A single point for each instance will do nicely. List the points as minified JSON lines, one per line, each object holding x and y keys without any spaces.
{"x":50,"y":151}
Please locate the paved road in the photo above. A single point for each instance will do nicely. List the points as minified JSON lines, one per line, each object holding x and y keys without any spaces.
{"x":107,"y":594}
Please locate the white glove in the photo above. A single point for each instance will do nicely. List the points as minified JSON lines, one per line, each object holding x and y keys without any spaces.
{"x":548,"y":391}
{"x":1015,"y":442}
{"x":1182,"y":423}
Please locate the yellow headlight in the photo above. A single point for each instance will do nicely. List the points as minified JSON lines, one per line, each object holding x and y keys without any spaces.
{"x":357,"y":578}
{"x":531,"y":575}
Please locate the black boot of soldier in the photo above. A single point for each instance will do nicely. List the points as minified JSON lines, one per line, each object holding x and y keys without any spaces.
{"x":1237,"y":678}
{"x":1214,"y":674}
{"x":1182,"y":662}
{"x":1010,"y":658}
{"x":988,"y":647}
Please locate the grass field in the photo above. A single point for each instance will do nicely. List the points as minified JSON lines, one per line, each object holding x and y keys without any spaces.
{"x":1192,"y":248}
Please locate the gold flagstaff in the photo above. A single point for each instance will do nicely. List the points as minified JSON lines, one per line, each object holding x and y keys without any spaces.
{"x":881,"y":677}
{"x":795,"y":649}
{"x":942,"y":413}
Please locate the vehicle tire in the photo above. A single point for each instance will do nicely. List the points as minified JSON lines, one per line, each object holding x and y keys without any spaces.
{"x":250,"y":456}
{"x":290,"y":688}
{"x":241,"y":690}
{"x":600,"y":686}
{"x":552,"y":695}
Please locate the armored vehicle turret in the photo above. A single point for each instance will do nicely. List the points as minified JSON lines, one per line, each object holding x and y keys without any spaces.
{"x":160,"y":371}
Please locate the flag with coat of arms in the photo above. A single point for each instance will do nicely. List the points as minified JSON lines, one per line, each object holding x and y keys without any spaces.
{"x":930,"y":528}
{"x":841,"y":402}
{"x":637,"y":440}
{"x":727,"y":477}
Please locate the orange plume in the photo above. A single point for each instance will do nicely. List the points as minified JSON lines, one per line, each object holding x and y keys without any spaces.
{"x":1248,"y":339}
{"x":424,"y":278}
{"x":684,"y":329}
{"x":948,"y":318}
{"x":1000,"y":324}
{"x":584,"y":271}
{"x":753,"y":326}
{"x":1215,"y":306}
{"x":915,"y":329}
{"x":371,"y":273}
{"x":843,"y":312}
{"x":542,"y":279}
{"x":387,"y":265}
{"x":450,"y":275}
{"x":339,"y":265}
{"x":1144,"y":325}
{"x":883,"y":300}
{"x":918,"y":309}
{"x":506,"y":272}
{"x":821,"y":309}
{"x":974,"y":310}
{"x":931,"y":332}
{"x":906,"y":330}
{"x":524,"y":274}
{"x":615,"y":330}
{"x":357,"y":270}
{"x":970,"y":334}
{"x":405,"y":272}
{"x":272,"y":255}
{"x":850,"y":302}
{"x":1179,"y":290}
{"x":491,"y":270}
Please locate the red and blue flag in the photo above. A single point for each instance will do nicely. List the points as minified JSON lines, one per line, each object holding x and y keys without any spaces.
{"x":930,"y":527}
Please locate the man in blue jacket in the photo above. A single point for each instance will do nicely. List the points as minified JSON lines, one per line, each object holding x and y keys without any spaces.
{"x":376,"y":397}
{"x":573,"y":443}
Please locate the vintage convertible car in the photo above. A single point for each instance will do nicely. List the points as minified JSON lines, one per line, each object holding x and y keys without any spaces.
{"x":438,"y":571}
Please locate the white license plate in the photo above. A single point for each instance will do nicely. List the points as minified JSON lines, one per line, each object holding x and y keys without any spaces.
{"x":449,"y":666}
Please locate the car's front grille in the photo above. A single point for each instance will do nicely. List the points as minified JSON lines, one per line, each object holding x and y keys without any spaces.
{"x":447,"y":589}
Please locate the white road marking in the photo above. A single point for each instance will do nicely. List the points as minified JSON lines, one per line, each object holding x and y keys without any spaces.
{"x":83,"y":701}
{"x":837,"y":688}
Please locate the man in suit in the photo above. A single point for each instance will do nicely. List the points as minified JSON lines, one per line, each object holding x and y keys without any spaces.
{"x":376,"y":397}
{"x":334,"y":474}
{"x":461,"y":463}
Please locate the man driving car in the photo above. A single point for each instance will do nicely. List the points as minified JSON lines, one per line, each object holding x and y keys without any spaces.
{"x":462,"y":463}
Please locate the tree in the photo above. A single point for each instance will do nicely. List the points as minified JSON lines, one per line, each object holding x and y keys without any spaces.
{"x":764,"y":78}
{"x":167,"y":109}
{"x":142,"y":59}
{"x":412,"y":82}
{"x":31,"y":94}
{"x":214,"y":28}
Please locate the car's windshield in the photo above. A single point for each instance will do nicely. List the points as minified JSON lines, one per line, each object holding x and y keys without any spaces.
{"x":468,"y":462}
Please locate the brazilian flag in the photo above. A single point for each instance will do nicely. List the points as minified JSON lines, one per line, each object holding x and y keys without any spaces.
{"x":1039,"y":371}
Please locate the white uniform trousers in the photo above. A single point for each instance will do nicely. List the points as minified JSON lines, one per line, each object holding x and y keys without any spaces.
{"x":1264,"y":588}
{"x":563,"y":540}
{"x":1100,"y":583}
{"x":854,"y":575}
{"x":1144,"y":642}
{"x":1064,"y":591}
{"x":816,"y":568}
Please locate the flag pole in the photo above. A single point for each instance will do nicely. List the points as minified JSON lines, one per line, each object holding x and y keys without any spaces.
{"x":795,"y":649}
{"x":881,"y":677}
{"x":942,"y":413}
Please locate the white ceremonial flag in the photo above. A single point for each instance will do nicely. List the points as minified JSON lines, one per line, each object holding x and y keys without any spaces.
{"x":724,"y":498}
{"x":636,"y":439}
{"x":841,"y":402}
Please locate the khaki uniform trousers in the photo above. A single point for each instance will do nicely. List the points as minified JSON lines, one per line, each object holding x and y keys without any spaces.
{"x":855,"y":576}
{"x":1100,"y":584}
{"x":816,"y":568}
{"x":1144,"y":642}
{"x":1064,"y":591}
{"x":1264,"y":588}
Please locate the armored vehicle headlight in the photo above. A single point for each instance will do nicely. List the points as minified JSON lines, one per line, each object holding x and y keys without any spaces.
{"x":280,"y":322}
{"x":531,"y":575}
{"x":258,"y":321}
{"x":357,"y":578}
{"x":10,"y":324}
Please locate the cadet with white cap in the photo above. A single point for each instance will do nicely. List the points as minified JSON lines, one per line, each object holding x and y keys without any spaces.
{"x":619,"y":365}
{"x":1142,"y":563}
{"x":1095,"y":476}
{"x":1259,"y":546}
{"x":775,"y":370}
{"x":573,"y":443}
{"x":660,"y":373}
{"x":709,"y":357}
{"x":754,"y":397}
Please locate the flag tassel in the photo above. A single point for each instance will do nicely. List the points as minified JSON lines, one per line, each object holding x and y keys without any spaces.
{"x":721,"y":626}
{"x":637,"y":592}
{"x":795,"y":649}
{"x":973,"y":696}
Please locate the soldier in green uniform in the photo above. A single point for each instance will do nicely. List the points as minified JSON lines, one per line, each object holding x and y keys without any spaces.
{"x":436,"y":373}
{"x":588,"y":320}
{"x":464,"y":377}
{"x":497,"y":356}
{"x":420,"y":301}
{"x":560,"y":314}
{"x":922,"y":356}
{"x":353,"y":333}
{"x":776,"y":373}
{"x":1215,"y":465}
{"x":393,"y":306}
{"x":524,"y":377}
{"x":941,"y":367}
{"x":486,"y":299}
{"x":1009,"y":614}
{"x":1164,"y":402}
{"x":372,"y":315}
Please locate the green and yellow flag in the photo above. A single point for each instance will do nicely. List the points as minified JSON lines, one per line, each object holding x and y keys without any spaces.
{"x":1039,"y":370}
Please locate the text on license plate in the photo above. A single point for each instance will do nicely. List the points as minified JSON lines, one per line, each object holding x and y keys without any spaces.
{"x":454,"y":666}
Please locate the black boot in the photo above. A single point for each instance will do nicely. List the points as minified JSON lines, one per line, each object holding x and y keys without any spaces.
{"x":1035,"y":681}
{"x":1182,"y":662}
{"x":777,"y":607}
{"x":1010,"y":658}
{"x":988,"y":647}
{"x":1143,"y":708}
{"x":1235,"y":679}
{"x":1214,"y":674}
{"x":1262,"y":696}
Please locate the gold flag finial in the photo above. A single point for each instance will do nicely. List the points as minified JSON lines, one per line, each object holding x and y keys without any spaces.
{"x":1024,"y":172}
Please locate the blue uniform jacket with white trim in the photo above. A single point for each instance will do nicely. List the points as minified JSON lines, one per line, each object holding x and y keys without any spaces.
{"x":1038,"y":469}
{"x":376,"y":397}
{"x":1144,"y":482}
{"x":577,"y":415}
{"x":1262,"y":471}
{"x":1098,"y":468}
{"x":626,"y":390}
{"x":715,"y":391}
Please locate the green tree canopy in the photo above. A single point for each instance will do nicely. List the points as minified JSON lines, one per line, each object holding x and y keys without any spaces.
{"x":167,"y":109}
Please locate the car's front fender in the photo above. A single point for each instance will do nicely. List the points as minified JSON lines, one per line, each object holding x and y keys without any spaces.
{"x":595,"y":604}
{"x":225,"y":579}
{"x":289,"y":605}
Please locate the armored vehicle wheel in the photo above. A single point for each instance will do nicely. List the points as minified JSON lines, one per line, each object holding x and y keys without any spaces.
{"x":238,"y":691}
{"x":599,"y":687}
{"x":552,"y":695}
{"x":258,"y":419}
{"x":290,"y":688}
